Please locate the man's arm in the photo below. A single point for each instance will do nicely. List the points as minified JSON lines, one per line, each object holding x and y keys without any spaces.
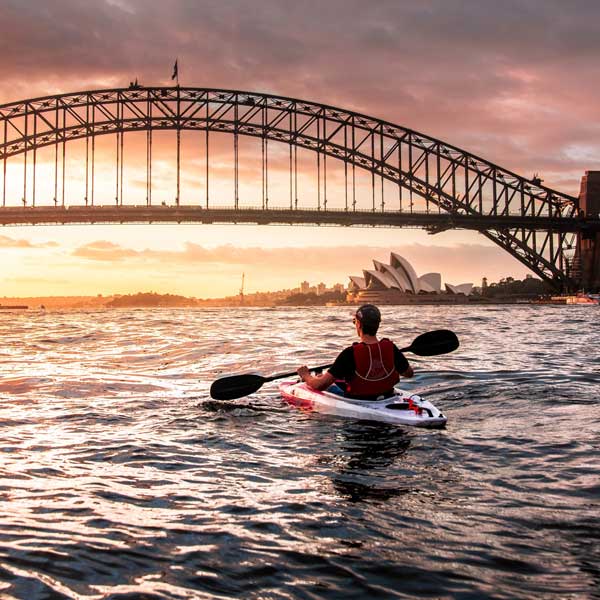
{"x":343,"y":364}
{"x":401,"y":364}
{"x":408,"y":373}
{"x":317,"y":382}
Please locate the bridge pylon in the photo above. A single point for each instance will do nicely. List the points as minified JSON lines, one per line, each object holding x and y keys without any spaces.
{"x":587,"y":258}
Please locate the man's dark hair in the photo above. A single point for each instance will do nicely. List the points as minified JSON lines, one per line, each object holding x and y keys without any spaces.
{"x":369,"y":317}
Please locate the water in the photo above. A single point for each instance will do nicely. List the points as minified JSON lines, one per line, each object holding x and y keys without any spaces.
{"x":120,"y":479}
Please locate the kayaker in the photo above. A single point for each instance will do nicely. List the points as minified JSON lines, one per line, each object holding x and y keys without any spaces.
{"x":368,"y":369}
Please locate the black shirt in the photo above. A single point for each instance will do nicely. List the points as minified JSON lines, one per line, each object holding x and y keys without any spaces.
{"x":344,"y":366}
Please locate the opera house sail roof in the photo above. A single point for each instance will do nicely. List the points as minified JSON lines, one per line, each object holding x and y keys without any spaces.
{"x":399,"y":277}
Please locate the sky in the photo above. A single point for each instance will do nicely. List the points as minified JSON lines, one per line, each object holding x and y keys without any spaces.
{"x":515,"y":82}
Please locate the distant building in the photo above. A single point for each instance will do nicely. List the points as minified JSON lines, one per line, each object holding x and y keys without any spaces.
{"x":398,"y":282}
{"x":304,"y":287}
{"x":338,"y":287}
{"x":463,"y":288}
{"x":321,"y":289}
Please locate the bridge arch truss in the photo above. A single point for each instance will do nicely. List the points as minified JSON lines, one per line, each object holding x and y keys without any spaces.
{"x":437,"y":186}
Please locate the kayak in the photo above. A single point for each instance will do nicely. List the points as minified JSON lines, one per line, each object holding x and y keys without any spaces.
{"x":400,"y":409}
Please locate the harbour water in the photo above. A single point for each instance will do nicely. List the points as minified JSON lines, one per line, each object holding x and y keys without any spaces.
{"x":120,"y":478}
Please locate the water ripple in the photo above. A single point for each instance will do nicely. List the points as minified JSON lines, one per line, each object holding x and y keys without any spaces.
{"x":121,"y":478}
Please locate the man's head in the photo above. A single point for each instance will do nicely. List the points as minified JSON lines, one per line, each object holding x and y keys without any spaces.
{"x":369,"y":317}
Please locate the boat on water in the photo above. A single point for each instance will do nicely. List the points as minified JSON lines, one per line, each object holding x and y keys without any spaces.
{"x":13,"y":307}
{"x":579,"y":300}
{"x":400,"y":409}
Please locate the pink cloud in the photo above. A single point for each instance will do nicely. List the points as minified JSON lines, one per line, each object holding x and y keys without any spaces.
{"x":513,"y":82}
{"x":8,"y":242}
{"x":104,"y":251}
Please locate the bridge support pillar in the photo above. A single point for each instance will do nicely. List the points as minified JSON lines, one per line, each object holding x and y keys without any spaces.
{"x":588,"y":247}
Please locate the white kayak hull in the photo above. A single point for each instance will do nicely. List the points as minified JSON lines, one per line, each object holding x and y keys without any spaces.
{"x":401,"y":409}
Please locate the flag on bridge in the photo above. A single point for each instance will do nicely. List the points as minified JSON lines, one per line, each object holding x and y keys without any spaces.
{"x":175,"y":72}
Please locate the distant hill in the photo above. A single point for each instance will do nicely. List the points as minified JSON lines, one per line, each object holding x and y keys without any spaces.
{"x":312,"y":299}
{"x":58,"y":302}
{"x":150,"y":300}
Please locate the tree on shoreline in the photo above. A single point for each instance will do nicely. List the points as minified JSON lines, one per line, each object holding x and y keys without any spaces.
{"x":312,"y":299}
{"x":150,"y":299}
{"x":530,"y":287}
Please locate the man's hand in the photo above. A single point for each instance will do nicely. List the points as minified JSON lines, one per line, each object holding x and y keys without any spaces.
{"x":303,"y":372}
{"x":317,"y":382}
{"x":408,"y":373}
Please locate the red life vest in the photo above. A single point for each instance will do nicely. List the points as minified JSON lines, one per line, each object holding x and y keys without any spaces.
{"x":375,"y":372}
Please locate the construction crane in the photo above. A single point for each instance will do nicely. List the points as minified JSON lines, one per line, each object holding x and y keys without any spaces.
{"x":242,"y":290}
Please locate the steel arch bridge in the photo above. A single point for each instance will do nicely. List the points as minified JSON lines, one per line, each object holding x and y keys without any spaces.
{"x":412,"y":180}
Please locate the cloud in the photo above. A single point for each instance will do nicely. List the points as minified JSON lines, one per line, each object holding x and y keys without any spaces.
{"x":8,"y":242}
{"x":105,"y":251}
{"x":516,"y":82}
{"x":37,"y":280}
{"x":457,"y":263}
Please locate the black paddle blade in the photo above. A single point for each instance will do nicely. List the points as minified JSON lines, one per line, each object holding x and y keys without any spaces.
{"x":433,"y":343}
{"x":235,"y":386}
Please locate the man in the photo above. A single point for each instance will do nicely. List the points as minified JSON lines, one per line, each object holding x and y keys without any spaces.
{"x":370,"y":368}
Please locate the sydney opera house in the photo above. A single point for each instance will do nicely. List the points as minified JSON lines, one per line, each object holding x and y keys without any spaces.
{"x":398,"y":283}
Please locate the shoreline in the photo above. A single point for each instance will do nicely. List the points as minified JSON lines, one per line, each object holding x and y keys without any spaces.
{"x":151,"y":300}
{"x":210,"y":305}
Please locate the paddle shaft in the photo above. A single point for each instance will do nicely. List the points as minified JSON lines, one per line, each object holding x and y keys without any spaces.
{"x":284,"y":375}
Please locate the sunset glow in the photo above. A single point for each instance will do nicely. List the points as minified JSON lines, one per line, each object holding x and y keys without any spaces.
{"x":516,"y":101}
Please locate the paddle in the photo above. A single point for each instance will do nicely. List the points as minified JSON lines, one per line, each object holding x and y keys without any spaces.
{"x":431,"y":343}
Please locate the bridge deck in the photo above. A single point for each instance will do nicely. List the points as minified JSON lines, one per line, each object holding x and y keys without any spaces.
{"x":51,"y":215}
